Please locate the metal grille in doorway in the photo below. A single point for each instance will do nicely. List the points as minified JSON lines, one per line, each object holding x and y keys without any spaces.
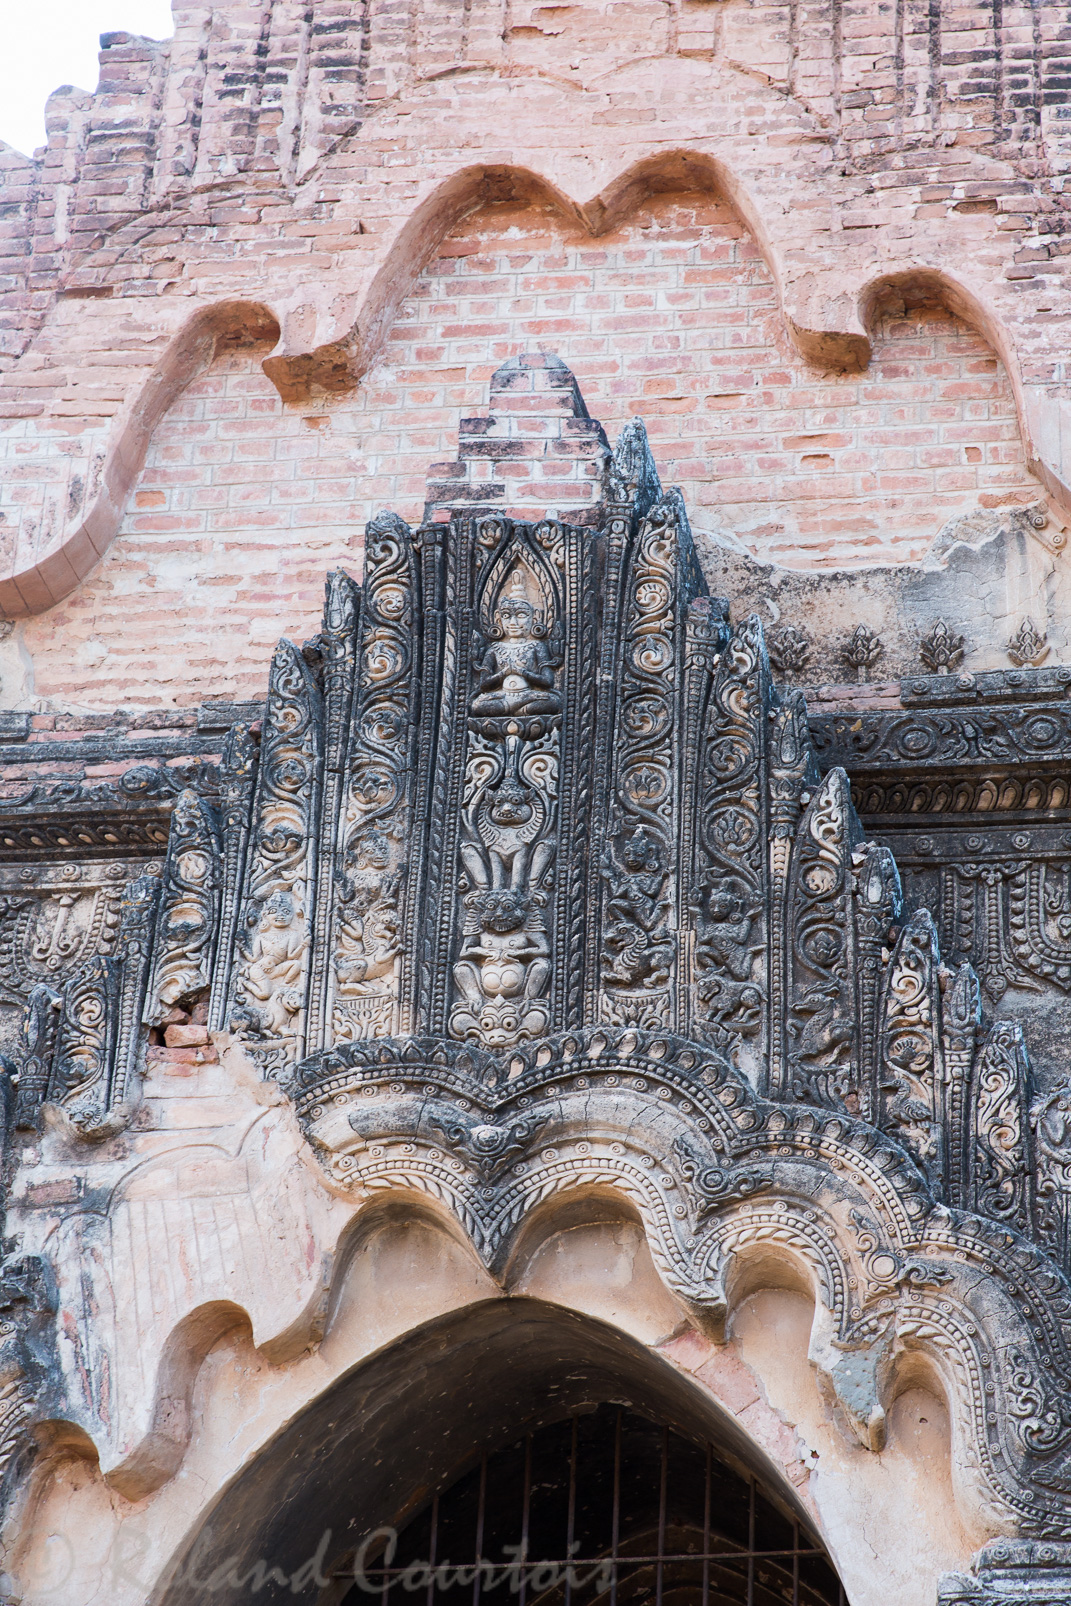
{"x":606,"y":1508}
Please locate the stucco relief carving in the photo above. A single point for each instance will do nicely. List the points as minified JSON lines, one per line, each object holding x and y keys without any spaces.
{"x":534,"y":886}
{"x":56,"y":917}
{"x":508,"y":839}
{"x":718,"y":1174}
{"x":188,"y":919}
{"x":371,"y":874}
{"x":273,"y":943}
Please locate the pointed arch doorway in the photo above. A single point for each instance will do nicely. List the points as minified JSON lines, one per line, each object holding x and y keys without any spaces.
{"x":514,"y":1453}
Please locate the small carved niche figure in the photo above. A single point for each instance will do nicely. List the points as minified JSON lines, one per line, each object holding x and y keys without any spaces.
{"x":638,"y":947}
{"x":270,"y":990}
{"x":515,"y":675}
{"x":368,"y":905}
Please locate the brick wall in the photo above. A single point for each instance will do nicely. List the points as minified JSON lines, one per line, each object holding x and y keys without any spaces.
{"x":245,"y":501}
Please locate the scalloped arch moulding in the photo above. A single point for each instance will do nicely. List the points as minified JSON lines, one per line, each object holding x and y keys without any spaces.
{"x":529,"y":912}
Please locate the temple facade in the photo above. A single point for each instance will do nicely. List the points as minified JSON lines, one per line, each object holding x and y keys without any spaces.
{"x":535,"y":809}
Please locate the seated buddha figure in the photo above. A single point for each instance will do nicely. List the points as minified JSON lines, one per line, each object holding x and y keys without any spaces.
{"x":516,"y":673}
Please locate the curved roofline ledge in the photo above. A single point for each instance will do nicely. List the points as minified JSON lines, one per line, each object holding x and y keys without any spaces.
{"x":57,"y":573}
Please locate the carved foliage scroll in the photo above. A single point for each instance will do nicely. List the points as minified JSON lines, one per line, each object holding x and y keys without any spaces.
{"x":822,"y":1039}
{"x":912,"y":1072}
{"x":793,"y":777}
{"x":640,"y":918}
{"x":728,"y":889}
{"x":961,"y":1020}
{"x":338,"y":643}
{"x":270,"y":974}
{"x":1039,"y":921}
{"x":1051,"y":1120}
{"x":238,"y":769}
{"x":98,"y":1054}
{"x":373,"y":850}
{"x":189,"y":909}
{"x":999,"y":1130}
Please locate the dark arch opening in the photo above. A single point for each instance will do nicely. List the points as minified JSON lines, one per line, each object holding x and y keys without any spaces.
{"x":420,"y":1421}
{"x":604,"y":1508}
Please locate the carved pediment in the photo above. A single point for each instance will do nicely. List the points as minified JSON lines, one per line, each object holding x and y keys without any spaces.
{"x":534,"y":882}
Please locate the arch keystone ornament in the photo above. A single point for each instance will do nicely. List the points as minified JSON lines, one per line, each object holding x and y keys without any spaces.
{"x":534,"y":891}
